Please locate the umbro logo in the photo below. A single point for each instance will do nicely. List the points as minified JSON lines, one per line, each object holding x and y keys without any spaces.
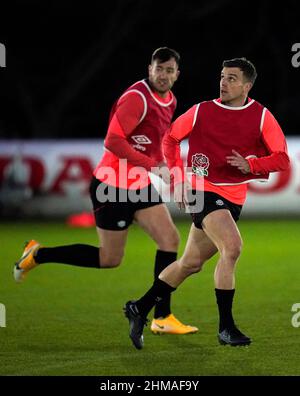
{"x":141,"y":139}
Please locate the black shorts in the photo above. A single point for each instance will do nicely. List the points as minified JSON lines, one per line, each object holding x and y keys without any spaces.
{"x":212,"y":202}
{"x":114,"y":208}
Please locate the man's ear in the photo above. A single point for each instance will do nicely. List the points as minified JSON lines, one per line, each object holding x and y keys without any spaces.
{"x":248,"y":85}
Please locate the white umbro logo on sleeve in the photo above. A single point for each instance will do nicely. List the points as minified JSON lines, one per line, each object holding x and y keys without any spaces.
{"x":141,"y":139}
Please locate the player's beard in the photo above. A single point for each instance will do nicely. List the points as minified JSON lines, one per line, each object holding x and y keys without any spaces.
{"x":161,"y":88}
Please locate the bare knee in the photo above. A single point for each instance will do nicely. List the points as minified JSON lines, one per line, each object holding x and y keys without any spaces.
{"x":169,"y":241}
{"x":232,"y":252}
{"x":110,"y":260}
{"x":190,"y":265}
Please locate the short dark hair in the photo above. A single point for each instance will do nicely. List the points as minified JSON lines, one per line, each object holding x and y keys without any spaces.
{"x":245,"y":65}
{"x":163,"y":54}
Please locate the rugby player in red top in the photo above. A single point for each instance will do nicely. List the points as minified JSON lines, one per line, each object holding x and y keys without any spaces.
{"x":232,"y":140}
{"x":121,"y":190}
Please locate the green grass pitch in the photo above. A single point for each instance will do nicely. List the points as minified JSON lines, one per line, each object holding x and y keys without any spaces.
{"x":65,"y":320}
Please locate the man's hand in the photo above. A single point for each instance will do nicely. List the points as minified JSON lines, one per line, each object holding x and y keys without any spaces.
{"x":239,"y":162}
{"x":180,"y":194}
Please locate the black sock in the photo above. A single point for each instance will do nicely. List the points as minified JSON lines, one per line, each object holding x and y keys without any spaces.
{"x":79,"y":254}
{"x":156,"y":293}
{"x":224,"y":301}
{"x":162,"y":260}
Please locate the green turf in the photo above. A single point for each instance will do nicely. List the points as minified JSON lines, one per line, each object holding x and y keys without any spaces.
{"x":68,"y":321}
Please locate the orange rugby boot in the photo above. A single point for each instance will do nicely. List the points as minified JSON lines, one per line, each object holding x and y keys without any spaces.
{"x":27,"y":261}
{"x":171,"y":325}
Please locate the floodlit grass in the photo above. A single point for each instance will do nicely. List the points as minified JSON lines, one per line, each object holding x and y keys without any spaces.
{"x":66,"y":320}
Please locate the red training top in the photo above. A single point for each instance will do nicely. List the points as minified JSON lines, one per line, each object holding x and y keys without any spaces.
{"x":213,"y":132}
{"x":138,"y":123}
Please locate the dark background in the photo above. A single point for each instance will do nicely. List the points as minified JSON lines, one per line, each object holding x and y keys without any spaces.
{"x":67,"y":61}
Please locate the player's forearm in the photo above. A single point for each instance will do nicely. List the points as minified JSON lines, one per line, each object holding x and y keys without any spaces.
{"x":180,"y":129}
{"x":277,"y":161}
{"x":171,"y":149}
{"x":122,"y":149}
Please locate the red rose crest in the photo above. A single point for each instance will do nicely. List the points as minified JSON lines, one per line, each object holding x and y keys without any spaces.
{"x":200,"y":164}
